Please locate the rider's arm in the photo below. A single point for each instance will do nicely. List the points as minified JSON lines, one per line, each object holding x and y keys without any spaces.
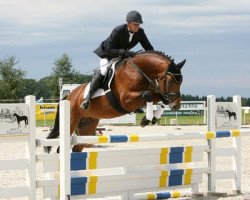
{"x":112,"y":44}
{"x":144,"y":41}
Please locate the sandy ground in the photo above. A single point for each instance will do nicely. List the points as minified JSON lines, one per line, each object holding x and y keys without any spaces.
{"x":17,"y":150}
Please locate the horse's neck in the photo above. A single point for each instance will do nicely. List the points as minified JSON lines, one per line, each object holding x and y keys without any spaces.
{"x":153,"y":67}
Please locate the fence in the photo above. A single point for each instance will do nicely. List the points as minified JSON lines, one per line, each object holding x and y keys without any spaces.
{"x":128,"y":172}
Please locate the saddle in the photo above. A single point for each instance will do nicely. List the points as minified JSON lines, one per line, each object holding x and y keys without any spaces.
{"x":106,"y":88}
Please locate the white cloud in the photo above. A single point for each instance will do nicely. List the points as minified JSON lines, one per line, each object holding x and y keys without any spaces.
{"x":44,"y":29}
{"x":54,"y":20}
{"x":204,"y":16}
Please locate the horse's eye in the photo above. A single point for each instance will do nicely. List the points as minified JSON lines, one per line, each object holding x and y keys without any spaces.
{"x":178,"y":78}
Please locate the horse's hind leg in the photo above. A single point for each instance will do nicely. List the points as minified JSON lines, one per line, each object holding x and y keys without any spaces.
{"x":86,"y":126}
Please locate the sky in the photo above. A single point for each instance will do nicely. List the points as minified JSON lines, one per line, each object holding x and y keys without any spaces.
{"x":213,"y":35}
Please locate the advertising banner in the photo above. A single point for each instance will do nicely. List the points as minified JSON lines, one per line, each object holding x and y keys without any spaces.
{"x":188,"y":108}
{"x":46,"y":111}
{"x":14,"y":119}
{"x":226,"y":115}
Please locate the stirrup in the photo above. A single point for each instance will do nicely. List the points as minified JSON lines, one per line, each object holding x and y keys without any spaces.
{"x":85,"y":104}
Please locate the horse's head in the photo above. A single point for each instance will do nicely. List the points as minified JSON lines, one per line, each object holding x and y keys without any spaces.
{"x":170,"y":85}
{"x":163,"y":75}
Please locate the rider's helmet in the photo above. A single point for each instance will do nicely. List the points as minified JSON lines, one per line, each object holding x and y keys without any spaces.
{"x":134,"y":16}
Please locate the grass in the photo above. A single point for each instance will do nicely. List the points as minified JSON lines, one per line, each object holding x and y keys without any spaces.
{"x":182,"y":120}
{"x":47,"y":123}
{"x":247,"y":119}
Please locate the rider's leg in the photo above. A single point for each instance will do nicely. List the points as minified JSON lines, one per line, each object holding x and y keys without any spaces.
{"x":96,"y":82}
{"x":104,"y":64}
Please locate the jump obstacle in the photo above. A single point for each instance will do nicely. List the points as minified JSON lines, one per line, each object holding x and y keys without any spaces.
{"x":131,"y":173}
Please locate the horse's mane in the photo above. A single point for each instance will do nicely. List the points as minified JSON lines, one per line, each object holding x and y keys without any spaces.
{"x":160,"y":53}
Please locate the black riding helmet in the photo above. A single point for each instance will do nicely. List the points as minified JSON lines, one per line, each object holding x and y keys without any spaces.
{"x":134,"y":16}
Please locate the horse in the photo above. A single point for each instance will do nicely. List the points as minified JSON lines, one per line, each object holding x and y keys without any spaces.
{"x":147,"y":76}
{"x":21,"y":118}
{"x":231,"y":114}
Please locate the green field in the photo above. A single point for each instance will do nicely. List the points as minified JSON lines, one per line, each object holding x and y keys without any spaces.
{"x":41,"y":123}
{"x":187,"y":120}
{"x":182,"y":120}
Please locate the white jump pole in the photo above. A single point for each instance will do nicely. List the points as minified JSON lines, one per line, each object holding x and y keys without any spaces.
{"x":64,"y":150}
{"x":237,"y":146}
{"x":31,"y":148}
{"x":211,"y":100}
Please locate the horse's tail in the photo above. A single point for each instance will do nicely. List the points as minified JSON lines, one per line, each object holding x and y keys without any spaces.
{"x":55,"y":131}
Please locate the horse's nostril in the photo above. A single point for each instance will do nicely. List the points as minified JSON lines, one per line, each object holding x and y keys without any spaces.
{"x":176,"y":107}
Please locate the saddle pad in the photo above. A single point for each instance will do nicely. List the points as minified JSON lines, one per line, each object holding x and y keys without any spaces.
{"x":100,"y":92}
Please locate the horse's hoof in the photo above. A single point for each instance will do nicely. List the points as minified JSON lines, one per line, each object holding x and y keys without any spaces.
{"x":154,"y":120}
{"x":144,"y":122}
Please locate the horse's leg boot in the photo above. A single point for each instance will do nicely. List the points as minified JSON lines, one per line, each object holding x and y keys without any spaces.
{"x":94,"y":85}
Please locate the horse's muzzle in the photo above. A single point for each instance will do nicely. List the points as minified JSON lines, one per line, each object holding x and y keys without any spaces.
{"x":168,"y":98}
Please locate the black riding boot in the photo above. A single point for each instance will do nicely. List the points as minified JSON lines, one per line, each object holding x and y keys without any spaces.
{"x":95,"y":84}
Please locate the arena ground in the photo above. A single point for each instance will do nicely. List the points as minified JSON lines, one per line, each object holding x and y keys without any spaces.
{"x":17,"y":150}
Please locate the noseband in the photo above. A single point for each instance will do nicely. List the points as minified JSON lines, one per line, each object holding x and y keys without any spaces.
{"x":165,"y":96}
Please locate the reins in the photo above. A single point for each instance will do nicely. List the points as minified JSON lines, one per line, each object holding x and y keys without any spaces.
{"x":154,"y":83}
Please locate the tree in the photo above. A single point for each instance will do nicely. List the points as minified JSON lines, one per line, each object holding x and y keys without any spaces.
{"x":42,"y":88}
{"x":11,"y":79}
{"x":63,"y":68}
{"x":83,"y":78}
{"x":29,"y":87}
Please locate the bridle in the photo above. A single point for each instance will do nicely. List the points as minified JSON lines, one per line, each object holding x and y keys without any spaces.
{"x":165,"y":95}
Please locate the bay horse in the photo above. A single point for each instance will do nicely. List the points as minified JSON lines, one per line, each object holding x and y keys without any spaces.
{"x":149,"y":73}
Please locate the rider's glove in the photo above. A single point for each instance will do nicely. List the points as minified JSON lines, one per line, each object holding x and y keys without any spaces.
{"x":128,"y":54}
{"x":121,"y":52}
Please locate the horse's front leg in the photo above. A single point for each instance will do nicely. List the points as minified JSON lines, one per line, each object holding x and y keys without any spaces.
{"x":150,"y":114}
{"x":158,"y":113}
{"x":139,"y":99}
{"x":149,"y":109}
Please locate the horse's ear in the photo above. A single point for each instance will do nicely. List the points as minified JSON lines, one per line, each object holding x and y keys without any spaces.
{"x":180,"y":65}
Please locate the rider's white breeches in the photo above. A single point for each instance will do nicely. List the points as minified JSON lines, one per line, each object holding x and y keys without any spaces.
{"x":105,"y":63}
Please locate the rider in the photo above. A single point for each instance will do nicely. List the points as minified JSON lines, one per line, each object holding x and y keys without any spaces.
{"x":118,"y":44}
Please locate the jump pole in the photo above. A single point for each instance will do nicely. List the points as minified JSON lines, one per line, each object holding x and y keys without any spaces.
{"x":64,"y":150}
